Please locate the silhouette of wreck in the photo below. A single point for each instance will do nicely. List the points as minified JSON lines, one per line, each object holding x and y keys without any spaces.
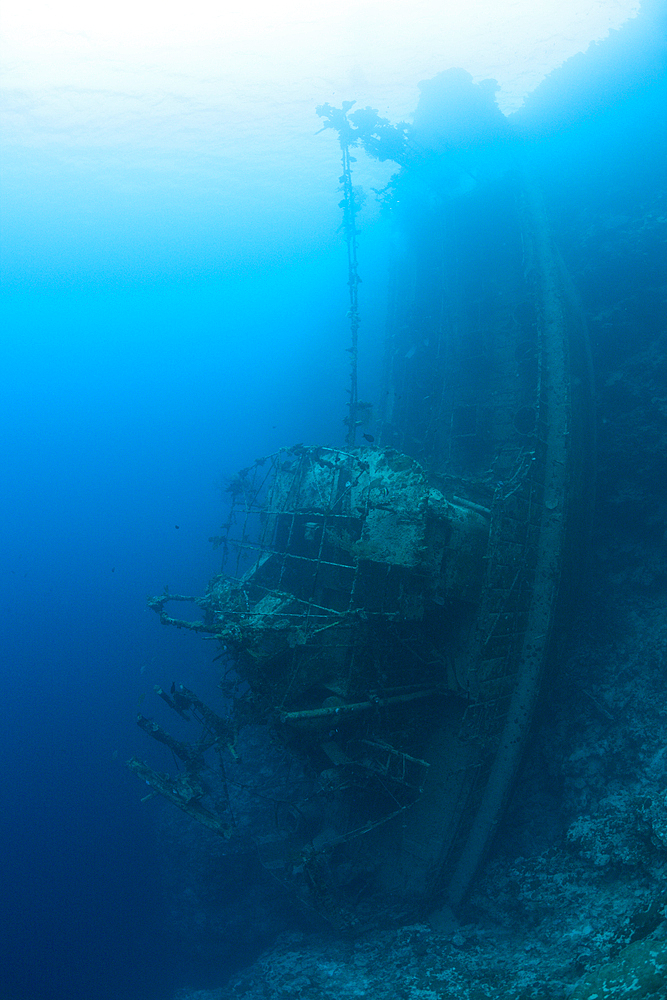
{"x":387,"y":611}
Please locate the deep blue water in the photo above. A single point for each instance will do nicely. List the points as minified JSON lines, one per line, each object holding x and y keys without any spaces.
{"x":135,"y":376}
{"x":122,"y":410}
{"x":124,"y":405}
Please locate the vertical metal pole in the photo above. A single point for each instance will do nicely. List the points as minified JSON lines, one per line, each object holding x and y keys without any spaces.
{"x":348,"y":204}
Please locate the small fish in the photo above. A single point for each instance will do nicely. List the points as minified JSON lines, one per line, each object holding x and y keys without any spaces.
{"x":368,"y":437}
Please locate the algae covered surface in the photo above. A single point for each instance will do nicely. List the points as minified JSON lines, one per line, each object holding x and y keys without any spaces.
{"x":572,"y":900}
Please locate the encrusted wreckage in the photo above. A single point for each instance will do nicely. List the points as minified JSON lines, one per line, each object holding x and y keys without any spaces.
{"x":386,"y":611}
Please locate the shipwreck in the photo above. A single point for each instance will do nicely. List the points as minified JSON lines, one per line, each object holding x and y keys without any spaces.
{"x":387,"y":611}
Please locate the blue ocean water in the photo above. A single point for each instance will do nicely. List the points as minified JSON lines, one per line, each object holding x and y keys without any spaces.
{"x":143,"y":360}
{"x":130,"y":391}
{"x":123,"y":408}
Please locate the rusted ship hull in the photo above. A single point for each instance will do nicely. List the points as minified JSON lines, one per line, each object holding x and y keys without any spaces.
{"x":515,"y":423}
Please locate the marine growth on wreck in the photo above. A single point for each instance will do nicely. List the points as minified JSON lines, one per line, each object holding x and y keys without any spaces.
{"x":384,"y":612}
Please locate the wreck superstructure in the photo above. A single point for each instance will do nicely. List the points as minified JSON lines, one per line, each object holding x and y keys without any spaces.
{"x":388,"y":609}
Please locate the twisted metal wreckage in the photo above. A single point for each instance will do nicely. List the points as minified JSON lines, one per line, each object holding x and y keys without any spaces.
{"x":387,"y":609}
